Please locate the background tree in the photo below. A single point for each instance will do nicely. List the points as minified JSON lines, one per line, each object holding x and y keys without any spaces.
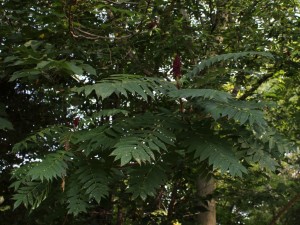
{"x":128,"y":148}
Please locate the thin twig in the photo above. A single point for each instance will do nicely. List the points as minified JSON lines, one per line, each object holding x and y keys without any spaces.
{"x":80,"y":33}
{"x":65,"y":219}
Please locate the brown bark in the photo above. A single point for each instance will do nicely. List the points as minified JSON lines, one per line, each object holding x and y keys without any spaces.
{"x":120,"y":219}
{"x":206,"y":188}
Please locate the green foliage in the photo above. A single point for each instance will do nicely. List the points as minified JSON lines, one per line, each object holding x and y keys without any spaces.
{"x":31,"y":194}
{"x":35,"y":54}
{"x":217,"y":152}
{"x":110,"y":112}
{"x":141,"y":145}
{"x":32,"y":185}
{"x":76,"y":201}
{"x":87,"y":183}
{"x":241,"y":112}
{"x":143,"y":137}
{"x":146,"y":180}
{"x":5,"y":124}
{"x":54,"y":166}
{"x":121,"y":84}
{"x":96,"y":140}
{"x":94,"y":181}
{"x":221,"y":58}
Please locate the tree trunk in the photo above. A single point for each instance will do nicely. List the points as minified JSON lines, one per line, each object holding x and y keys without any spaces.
{"x":206,"y":188}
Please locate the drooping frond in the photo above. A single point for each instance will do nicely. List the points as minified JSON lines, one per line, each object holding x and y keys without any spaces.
{"x":89,"y":182}
{"x":123,"y":84}
{"x":96,"y":140}
{"x":240,"y":111}
{"x":33,"y":180}
{"x":262,"y":146}
{"x":145,"y":180}
{"x":274,"y":141}
{"x":208,"y":62}
{"x":254,"y":152}
{"x":141,"y":145}
{"x":53,"y":166}
{"x":137,"y":138}
{"x":220,"y":104}
{"x":77,"y":201}
{"x":94,"y":180}
{"x":31,"y":194}
{"x":217,"y":152}
{"x":263,"y":159}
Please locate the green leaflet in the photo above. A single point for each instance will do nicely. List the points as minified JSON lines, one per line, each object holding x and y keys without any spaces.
{"x":274,"y":140}
{"x":40,"y":65}
{"x":72,"y":67}
{"x":76,"y":205}
{"x":263,"y":159}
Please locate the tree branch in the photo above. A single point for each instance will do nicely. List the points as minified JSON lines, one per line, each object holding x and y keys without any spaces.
{"x":285,"y":209}
{"x":255,"y":86}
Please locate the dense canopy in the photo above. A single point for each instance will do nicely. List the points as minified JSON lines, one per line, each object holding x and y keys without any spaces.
{"x":126,"y":111}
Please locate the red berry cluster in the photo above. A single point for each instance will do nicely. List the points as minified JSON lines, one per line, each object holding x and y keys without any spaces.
{"x":76,"y":122}
{"x":177,"y":67}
